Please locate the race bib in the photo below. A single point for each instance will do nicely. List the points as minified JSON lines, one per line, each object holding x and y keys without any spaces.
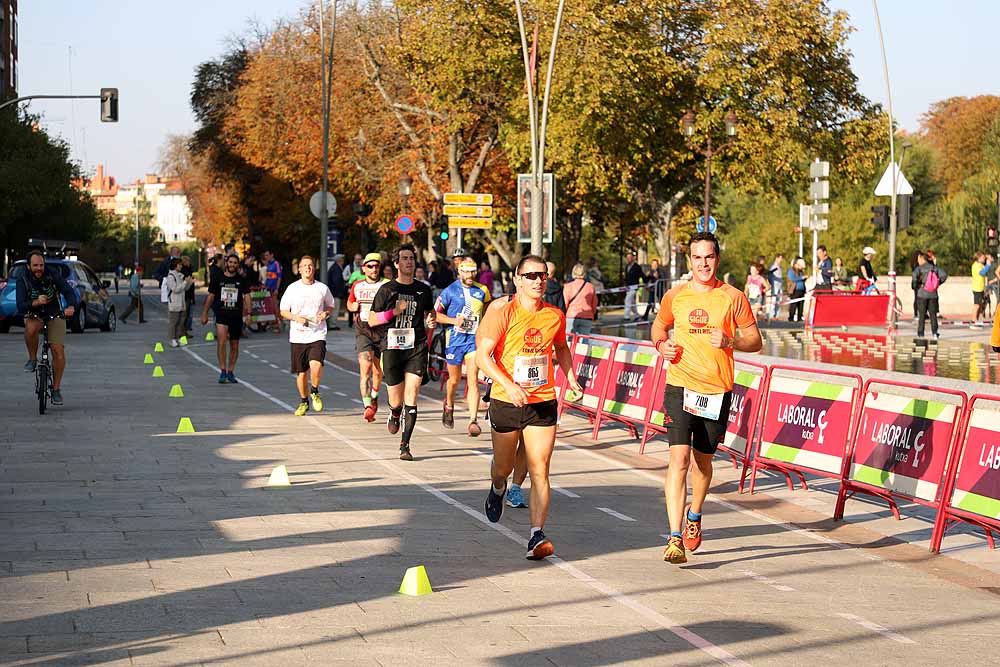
{"x":229,"y":296}
{"x":401,"y":339}
{"x":365,"y":307}
{"x":707,"y":406}
{"x":469,"y":324}
{"x":531,"y":371}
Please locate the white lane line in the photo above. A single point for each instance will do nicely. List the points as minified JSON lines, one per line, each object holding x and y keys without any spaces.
{"x":262,"y":360}
{"x":875,"y":627}
{"x":358,"y":401}
{"x":274,"y":366}
{"x":340,"y":393}
{"x":398,"y":472}
{"x":617,"y":515}
{"x":346,"y":370}
{"x":565,"y":492}
{"x":422,"y":429}
{"x":768,"y":582}
{"x":252,"y":354}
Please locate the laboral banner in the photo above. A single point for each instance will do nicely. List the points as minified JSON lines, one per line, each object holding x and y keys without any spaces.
{"x":902,"y":444}
{"x":262,"y":307}
{"x":746,"y":394}
{"x":632,"y":375}
{"x":977,"y":488}
{"x":806,"y":423}
{"x":591,"y":362}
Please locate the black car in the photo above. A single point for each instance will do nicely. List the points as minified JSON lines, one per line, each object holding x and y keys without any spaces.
{"x":94,"y":310}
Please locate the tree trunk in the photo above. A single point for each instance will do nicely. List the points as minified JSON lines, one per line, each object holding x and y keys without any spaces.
{"x":572,"y":233}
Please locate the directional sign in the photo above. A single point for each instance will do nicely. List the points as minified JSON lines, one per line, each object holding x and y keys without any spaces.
{"x":404,"y":224}
{"x":471,"y":211}
{"x":468,"y":198}
{"x":473,"y":223}
{"x":712,"y":224}
{"x":316,"y":204}
{"x":884,"y":187}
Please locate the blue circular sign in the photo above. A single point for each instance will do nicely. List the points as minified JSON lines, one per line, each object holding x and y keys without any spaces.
{"x":404,"y":224}
{"x":712,"y":224}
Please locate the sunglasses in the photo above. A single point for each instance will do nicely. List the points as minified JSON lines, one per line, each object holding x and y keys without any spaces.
{"x":535,"y":275}
{"x":372,"y":265}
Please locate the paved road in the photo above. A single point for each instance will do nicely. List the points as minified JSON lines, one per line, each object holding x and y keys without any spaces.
{"x":126,"y":543}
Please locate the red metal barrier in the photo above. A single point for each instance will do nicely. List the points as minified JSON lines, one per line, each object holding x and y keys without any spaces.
{"x":629,"y":387}
{"x":901,"y":446}
{"x":833,"y":309}
{"x":807,"y":424}
{"x":592,"y":357}
{"x":972,"y":486}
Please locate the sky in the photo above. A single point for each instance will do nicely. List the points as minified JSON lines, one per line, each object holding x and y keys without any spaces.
{"x":149,"y":51}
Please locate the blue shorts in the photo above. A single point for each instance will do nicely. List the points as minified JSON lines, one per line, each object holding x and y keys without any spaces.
{"x":456,"y":354}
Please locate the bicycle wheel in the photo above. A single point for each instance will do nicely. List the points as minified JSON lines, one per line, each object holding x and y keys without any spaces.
{"x":42,"y":386}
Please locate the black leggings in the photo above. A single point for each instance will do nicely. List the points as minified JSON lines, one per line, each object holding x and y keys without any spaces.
{"x":795,"y":309}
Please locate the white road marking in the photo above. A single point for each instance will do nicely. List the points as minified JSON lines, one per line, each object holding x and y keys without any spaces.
{"x":346,"y":370}
{"x":565,"y":492}
{"x":617,"y":515}
{"x":274,"y":366}
{"x":422,"y":429}
{"x":769,"y":582}
{"x":340,"y":393}
{"x":398,"y":472}
{"x":875,"y":627}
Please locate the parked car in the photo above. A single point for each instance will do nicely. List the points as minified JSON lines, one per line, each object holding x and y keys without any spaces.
{"x":95,"y":308}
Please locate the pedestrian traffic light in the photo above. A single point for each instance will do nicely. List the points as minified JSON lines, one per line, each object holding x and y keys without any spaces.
{"x":991,"y":238}
{"x":880,"y":217}
{"x":902,"y":212}
{"x":109,"y":105}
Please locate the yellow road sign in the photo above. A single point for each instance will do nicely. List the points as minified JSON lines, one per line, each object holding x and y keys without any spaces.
{"x":470,"y":211}
{"x":468,"y":198}
{"x":473,"y":223}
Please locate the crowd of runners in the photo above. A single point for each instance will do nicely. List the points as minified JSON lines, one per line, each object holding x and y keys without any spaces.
{"x":513,"y":343}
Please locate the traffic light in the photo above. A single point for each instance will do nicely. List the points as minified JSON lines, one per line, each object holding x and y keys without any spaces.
{"x":991,"y":238}
{"x":109,"y":105}
{"x":444,"y":233}
{"x":880,"y":217}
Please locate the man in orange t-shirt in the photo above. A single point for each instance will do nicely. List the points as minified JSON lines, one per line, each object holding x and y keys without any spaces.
{"x":705,"y":315}
{"x":514,"y":346}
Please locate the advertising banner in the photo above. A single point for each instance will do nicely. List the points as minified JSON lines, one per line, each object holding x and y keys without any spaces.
{"x":838,"y":308}
{"x":632,"y":384}
{"x":807,"y":423}
{"x":902,"y":444}
{"x":977,"y":488}
{"x":591,"y":363}
{"x":746,"y":400}
{"x":262,"y":307}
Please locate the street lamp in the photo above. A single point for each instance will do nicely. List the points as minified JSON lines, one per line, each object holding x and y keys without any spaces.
{"x":687,"y":125}
{"x":405,"y":183}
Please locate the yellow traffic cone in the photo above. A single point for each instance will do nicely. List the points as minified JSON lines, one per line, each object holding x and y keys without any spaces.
{"x":415,"y":582}
{"x":279,"y":477}
{"x":184,"y":340}
{"x":176,"y":391}
{"x":158,"y":347}
{"x":158,"y":372}
{"x":148,"y":359}
{"x":185,"y":425}
{"x":209,"y":337}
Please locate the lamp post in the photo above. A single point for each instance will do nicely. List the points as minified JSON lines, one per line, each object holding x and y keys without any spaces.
{"x":326,"y":75}
{"x":404,"y":186}
{"x":688,"y":123}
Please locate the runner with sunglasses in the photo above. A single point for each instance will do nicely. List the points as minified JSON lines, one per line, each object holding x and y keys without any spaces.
{"x":515,"y":344}
{"x":705,"y":315}
{"x":402,"y":312}
{"x":368,"y":342}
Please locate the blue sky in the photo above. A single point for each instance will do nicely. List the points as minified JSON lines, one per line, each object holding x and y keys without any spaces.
{"x":150,"y":50}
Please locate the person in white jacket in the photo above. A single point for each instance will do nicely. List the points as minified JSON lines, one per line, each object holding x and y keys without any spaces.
{"x":174,"y":285}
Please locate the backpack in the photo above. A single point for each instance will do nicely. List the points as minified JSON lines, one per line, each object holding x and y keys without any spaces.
{"x":932,"y":281}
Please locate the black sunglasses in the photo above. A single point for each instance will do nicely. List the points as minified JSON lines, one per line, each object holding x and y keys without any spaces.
{"x":372,"y":265}
{"x":536,"y":275}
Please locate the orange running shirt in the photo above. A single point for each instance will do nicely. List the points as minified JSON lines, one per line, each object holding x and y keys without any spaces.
{"x":693,"y":315}
{"x":524,"y":349}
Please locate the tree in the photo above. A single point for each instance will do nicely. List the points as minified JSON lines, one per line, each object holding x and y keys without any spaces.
{"x":955,"y":128}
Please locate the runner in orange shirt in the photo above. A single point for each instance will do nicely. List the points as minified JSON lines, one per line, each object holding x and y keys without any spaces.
{"x":705,"y":315}
{"x":514,"y":346}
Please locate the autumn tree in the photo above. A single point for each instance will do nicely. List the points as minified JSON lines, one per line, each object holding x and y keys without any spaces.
{"x":956,"y":128}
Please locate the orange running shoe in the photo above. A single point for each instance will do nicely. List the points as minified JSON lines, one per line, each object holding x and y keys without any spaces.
{"x":369,"y":413}
{"x":692,"y":532}
{"x":674,"y":553}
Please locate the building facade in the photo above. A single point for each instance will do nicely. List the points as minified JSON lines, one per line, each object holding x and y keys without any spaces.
{"x":8,"y":49}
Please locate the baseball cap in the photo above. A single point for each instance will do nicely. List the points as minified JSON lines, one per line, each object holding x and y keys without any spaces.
{"x":467,"y":265}
{"x":459,"y":252}
{"x":868,"y":251}
{"x":372,"y":257}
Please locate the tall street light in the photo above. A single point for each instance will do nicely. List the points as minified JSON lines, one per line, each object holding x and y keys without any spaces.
{"x":404,"y":186}
{"x":326,"y":74}
{"x":688,"y":123}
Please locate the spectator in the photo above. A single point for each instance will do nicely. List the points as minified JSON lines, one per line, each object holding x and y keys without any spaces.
{"x":979,"y":273}
{"x":441,"y":276}
{"x":633,"y":276}
{"x":824,"y":281}
{"x":295,"y":269}
{"x":594,"y":275}
{"x":486,"y":276}
{"x":134,"y":295}
{"x":420,"y":275}
{"x":164,"y":268}
{"x":797,"y":289}
{"x":926,"y":279}
{"x":355,"y":268}
{"x":338,"y":288}
{"x":776,"y":276}
{"x":176,"y":285}
{"x":553,"y":289}
{"x":841,"y":278}
{"x":188,"y":271}
{"x":866,"y":275}
{"x":581,"y":302}
{"x":215,"y":267}
{"x":388,"y":272}
{"x":756,"y":288}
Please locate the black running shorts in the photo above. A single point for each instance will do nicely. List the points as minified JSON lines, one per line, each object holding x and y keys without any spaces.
{"x":397,"y":363}
{"x":506,"y":417}
{"x":364,"y":342}
{"x":691,"y":430}
{"x":232,"y":321}
{"x":303,"y":353}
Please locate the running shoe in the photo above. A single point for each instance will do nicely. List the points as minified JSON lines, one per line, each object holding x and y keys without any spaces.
{"x":392,"y":423}
{"x":370,"y":413}
{"x":230,"y":378}
{"x":302,"y":409}
{"x":56,"y":397}
{"x":448,"y":416}
{"x":515,"y":498}
{"x":404,"y":452}
{"x":30,"y":365}
{"x":317,"y":402}
{"x":374,"y":405}
{"x":692,"y":533}
{"x":539,"y":547}
{"x":174,"y":343}
{"x":494,"y":503}
{"x":223,"y":376}
{"x":474,"y":430}
{"x":674,"y":553}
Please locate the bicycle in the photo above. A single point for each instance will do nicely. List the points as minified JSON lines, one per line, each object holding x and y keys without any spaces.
{"x":43,"y":369}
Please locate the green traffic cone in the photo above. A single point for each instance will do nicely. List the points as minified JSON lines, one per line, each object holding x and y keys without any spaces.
{"x":148,"y":359}
{"x":185,"y":425}
{"x":158,"y":372}
{"x":158,"y":347}
{"x":176,"y":391}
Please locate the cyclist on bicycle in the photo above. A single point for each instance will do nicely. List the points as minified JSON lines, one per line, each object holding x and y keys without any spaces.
{"x":37,"y":301}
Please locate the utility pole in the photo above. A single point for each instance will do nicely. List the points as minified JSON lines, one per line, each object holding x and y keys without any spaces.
{"x":326,"y":74}
{"x":892,"y":158}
